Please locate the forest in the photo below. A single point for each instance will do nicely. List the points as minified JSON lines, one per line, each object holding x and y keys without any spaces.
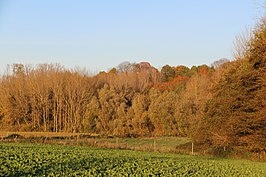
{"x":218,"y":106}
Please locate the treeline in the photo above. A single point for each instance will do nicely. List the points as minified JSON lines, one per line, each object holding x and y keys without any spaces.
{"x":222,"y":106}
{"x":130,"y":100}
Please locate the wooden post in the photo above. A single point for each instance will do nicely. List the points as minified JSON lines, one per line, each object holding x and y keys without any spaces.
{"x":44,"y":141}
{"x":154,"y":145}
{"x":192,"y":148}
{"x":77,"y":140}
{"x":117,"y":142}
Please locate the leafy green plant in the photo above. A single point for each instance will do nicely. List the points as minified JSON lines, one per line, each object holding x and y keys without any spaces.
{"x":58,"y":160}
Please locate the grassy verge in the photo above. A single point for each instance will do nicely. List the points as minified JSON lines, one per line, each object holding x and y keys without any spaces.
{"x":158,"y":144}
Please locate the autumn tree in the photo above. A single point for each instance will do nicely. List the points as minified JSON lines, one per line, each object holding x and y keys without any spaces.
{"x":140,"y":119}
{"x":168,"y":73}
{"x":162,"y":114}
{"x":235,"y":116}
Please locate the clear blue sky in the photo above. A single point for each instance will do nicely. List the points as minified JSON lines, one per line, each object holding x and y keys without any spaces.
{"x":100,"y":34}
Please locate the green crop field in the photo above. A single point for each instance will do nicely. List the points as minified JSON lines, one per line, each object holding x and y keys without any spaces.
{"x":59,"y":160}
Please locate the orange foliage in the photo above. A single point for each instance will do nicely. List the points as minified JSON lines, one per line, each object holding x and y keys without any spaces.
{"x":171,"y":85}
{"x":203,"y":70}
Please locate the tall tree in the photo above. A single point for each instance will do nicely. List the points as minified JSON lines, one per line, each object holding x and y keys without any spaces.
{"x":235,"y":116}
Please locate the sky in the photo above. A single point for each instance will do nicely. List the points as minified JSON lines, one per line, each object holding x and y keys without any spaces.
{"x":101,"y":34}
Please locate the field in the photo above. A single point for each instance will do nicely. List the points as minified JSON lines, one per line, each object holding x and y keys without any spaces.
{"x":20,"y":159}
{"x":159,"y":144}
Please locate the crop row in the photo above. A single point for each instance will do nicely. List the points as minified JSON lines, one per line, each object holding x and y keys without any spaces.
{"x":58,"y":160}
